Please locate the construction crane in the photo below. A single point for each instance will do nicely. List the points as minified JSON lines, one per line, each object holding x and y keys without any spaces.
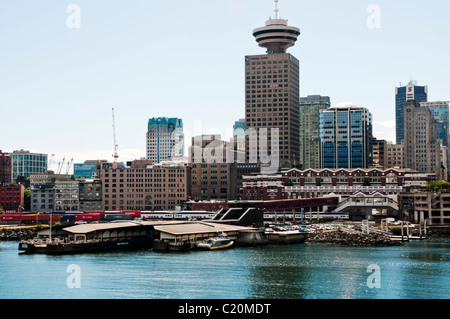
{"x":68,"y":166}
{"x":60,"y":165}
{"x":116,"y":147}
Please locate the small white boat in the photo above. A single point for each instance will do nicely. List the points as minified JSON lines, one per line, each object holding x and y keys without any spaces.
{"x":215,"y":243}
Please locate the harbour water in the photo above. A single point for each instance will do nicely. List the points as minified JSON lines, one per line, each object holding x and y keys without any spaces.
{"x":417,"y":270}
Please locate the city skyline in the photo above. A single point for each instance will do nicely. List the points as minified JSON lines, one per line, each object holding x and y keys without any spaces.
{"x":58,"y":83}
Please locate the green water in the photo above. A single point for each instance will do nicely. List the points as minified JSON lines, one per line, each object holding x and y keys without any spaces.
{"x":417,"y":270}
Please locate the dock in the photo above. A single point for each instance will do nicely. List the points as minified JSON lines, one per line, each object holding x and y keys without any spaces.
{"x":157,"y":235}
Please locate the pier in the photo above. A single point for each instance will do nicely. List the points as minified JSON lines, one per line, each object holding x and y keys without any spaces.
{"x":173,"y":235}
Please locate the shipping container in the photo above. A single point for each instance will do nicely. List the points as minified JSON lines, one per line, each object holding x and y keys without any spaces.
{"x":101,"y":213}
{"x":132,"y":213}
{"x":67,"y":218}
{"x":10,"y":218}
{"x":27,"y":217}
{"x":112,"y":217}
{"x":110,"y":212}
{"x":87,"y":217}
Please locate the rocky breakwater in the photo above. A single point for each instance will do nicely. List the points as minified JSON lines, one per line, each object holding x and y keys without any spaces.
{"x":12,"y":234}
{"x":351,"y":238}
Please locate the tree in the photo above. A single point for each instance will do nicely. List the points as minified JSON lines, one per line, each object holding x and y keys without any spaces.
{"x":27,"y":200}
{"x":439,"y":186}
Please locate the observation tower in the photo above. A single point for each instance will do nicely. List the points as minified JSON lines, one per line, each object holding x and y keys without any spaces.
{"x":276,"y":36}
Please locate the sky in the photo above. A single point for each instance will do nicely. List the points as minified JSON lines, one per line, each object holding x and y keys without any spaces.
{"x":62,"y":70}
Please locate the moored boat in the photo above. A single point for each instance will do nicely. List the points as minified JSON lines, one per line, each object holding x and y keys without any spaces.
{"x":216,"y":243}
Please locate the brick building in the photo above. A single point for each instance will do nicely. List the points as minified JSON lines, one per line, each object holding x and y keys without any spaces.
{"x":163,"y":186}
{"x":214,"y":170}
{"x":5,"y":168}
{"x":12,"y":197}
{"x":313,"y":183}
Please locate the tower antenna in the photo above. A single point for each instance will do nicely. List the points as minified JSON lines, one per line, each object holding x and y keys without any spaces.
{"x":116,"y":147}
{"x":276,"y":10}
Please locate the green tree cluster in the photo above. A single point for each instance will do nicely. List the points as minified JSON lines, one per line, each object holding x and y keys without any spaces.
{"x":439,"y":187}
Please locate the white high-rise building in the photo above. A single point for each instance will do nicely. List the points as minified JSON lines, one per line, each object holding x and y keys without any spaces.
{"x":165,"y":139}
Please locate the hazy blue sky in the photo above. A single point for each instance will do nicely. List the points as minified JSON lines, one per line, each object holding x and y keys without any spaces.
{"x":185,"y":59}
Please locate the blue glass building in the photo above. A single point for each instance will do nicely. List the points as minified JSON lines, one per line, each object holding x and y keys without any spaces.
{"x":346,"y":137}
{"x":402,"y":95}
{"x":26,"y":164}
{"x":440,"y":113}
{"x":85,"y":170}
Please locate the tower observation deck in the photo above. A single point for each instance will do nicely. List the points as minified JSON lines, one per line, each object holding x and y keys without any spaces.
{"x":276,"y":36}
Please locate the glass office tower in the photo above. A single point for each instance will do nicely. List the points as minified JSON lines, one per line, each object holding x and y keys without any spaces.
{"x":402,"y":95}
{"x":440,"y":113}
{"x":310,"y":108}
{"x":346,"y":137}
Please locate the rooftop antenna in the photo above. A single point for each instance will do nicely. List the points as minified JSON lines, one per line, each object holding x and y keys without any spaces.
{"x":276,"y":9}
{"x":116,"y":147}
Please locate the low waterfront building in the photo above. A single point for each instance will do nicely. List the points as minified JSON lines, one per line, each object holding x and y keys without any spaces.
{"x":432,"y":207}
{"x":312,"y":183}
{"x":101,"y":237}
{"x":194,"y":232}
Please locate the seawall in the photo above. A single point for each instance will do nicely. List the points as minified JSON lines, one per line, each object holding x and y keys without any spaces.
{"x":351,"y":239}
{"x":18,"y":233}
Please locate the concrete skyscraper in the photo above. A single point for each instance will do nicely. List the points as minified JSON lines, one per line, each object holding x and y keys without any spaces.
{"x":272,"y":97}
{"x":440,"y":113}
{"x":422,"y":147}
